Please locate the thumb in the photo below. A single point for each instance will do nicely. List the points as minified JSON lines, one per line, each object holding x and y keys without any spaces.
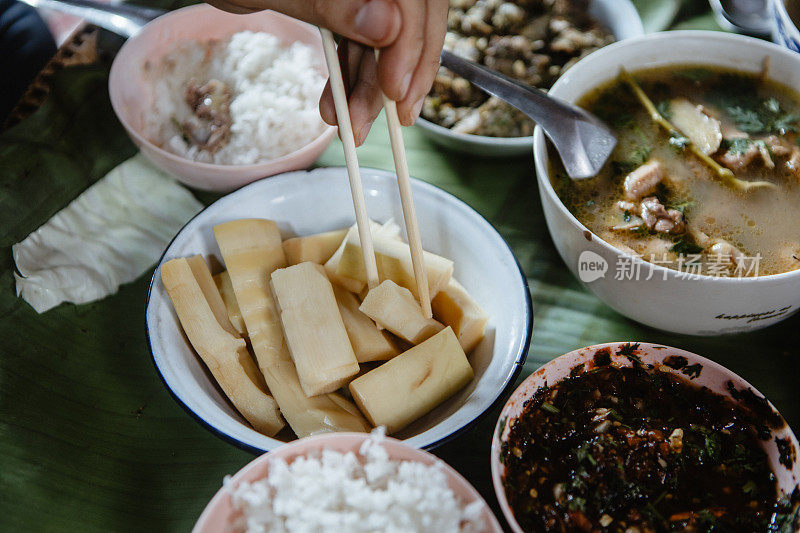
{"x":370,"y":22}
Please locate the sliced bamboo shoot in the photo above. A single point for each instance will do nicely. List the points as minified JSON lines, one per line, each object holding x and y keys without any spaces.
{"x":313,"y":328}
{"x":203,"y":277}
{"x":393,"y":307}
{"x":413,"y":383}
{"x":394,"y":263}
{"x":315,"y":248}
{"x":701,"y":129}
{"x":369,"y":344}
{"x":223,"y":282}
{"x":389,"y":230}
{"x":214,"y":298}
{"x":252,"y":250}
{"x":223,"y":351}
{"x":454,"y":307}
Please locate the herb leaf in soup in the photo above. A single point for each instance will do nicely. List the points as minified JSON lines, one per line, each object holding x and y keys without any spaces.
{"x":767,"y":116}
{"x":678,"y":140}
{"x":640,"y":201}
{"x":686,"y":248}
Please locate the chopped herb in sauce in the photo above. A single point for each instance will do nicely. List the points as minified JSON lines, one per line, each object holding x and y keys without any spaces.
{"x":637,"y":448}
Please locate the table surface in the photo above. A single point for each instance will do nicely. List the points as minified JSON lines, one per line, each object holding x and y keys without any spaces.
{"x":90,"y":439}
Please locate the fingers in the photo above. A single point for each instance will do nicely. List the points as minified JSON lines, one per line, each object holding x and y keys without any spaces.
{"x":372,"y":22}
{"x":326,"y":108}
{"x":349,"y":63}
{"x":428,"y":64}
{"x":359,"y":70}
{"x":398,"y":61}
{"x":232,"y":7}
{"x":365,"y":100}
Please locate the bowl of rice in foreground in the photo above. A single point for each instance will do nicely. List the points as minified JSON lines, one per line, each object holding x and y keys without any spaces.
{"x":220,"y":100}
{"x":347,"y":482}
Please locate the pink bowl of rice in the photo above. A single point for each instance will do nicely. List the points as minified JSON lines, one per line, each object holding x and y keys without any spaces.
{"x":271,"y":69}
{"x":347,"y":482}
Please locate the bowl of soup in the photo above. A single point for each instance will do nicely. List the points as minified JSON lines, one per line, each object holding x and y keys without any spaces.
{"x":672,"y":232}
{"x":641,"y":437}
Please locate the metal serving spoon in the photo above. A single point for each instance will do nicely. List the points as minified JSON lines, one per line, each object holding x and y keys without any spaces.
{"x":123,"y":19}
{"x":581,"y":139}
{"x":750,"y":17}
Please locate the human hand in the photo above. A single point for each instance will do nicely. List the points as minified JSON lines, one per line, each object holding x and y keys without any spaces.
{"x":409,"y":34}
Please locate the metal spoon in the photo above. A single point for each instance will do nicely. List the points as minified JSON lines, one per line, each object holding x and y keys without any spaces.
{"x":750,"y":17}
{"x":582,"y":140}
{"x":123,"y":19}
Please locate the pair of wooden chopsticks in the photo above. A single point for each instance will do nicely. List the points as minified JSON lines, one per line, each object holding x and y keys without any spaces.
{"x":401,"y":168}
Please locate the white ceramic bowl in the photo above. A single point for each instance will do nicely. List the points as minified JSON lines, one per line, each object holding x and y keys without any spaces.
{"x":664,"y":298}
{"x":712,"y":375}
{"x":303,"y":203}
{"x":131,"y":93}
{"x":619,"y":16}
{"x":220,"y":515}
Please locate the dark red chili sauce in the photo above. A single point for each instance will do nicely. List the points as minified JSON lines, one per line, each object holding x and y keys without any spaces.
{"x":639,"y":450}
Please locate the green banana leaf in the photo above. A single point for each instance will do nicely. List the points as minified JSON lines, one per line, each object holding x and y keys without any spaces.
{"x":90,"y":440}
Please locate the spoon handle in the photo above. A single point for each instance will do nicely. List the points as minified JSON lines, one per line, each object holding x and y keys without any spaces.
{"x":533,"y":102}
{"x":123,"y":19}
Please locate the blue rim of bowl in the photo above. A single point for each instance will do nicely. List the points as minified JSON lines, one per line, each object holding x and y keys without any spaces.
{"x":502,"y":395}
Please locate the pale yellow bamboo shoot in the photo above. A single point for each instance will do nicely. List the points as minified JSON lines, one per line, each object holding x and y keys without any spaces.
{"x":316,"y":248}
{"x":394,"y":263}
{"x":369,"y":344}
{"x":393,"y":307}
{"x":223,"y":283}
{"x":413,"y":383}
{"x":313,"y":328}
{"x":389,"y":230}
{"x":222,"y":350}
{"x":252,"y":250}
{"x":454,"y":307}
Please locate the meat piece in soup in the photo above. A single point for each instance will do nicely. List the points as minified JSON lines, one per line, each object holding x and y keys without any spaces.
{"x":657,"y":199}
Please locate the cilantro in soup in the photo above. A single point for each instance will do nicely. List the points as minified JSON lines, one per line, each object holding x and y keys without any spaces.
{"x":658,"y":199}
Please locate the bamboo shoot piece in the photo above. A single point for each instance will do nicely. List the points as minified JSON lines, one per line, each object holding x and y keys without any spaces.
{"x":221,"y":349}
{"x":369,"y":344}
{"x":390,"y":230}
{"x":223,"y":283}
{"x":313,"y":328}
{"x":315,"y":248}
{"x":393,"y":307}
{"x":454,"y":307}
{"x":394,"y":263}
{"x":413,"y":383}
{"x":202,"y":274}
{"x":252,"y":250}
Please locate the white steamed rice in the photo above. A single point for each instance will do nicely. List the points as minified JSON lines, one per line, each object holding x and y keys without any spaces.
{"x":275,"y":94}
{"x":335,"y":492}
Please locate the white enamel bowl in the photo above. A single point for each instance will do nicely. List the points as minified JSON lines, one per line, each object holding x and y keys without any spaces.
{"x":303,"y":203}
{"x":661,"y":297}
{"x":619,"y":16}
{"x":712,"y":375}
